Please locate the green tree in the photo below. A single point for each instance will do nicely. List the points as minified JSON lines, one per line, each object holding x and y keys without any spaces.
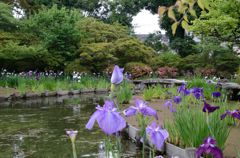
{"x":56,"y":30}
{"x":16,"y":57}
{"x":132,"y":50}
{"x":154,"y":40}
{"x":221,"y":57}
{"x":103,"y":45}
{"x":212,"y":55}
{"x":7,"y":21}
{"x":94,"y":31}
{"x":221,"y":21}
{"x":167,"y":58}
{"x":184,"y":46}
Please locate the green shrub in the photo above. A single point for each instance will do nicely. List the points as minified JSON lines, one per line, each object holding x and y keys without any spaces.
{"x":75,"y":66}
{"x":167,"y":58}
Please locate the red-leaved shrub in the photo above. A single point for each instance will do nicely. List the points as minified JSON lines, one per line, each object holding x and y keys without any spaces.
{"x":166,"y":71}
{"x":137,"y":70}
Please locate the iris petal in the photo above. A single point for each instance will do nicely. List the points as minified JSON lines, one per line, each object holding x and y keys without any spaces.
{"x":208,"y":147}
{"x":208,"y":108}
{"x":216,"y":152}
{"x":108,"y":104}
{"x":149,"y":112}
{"x":111,"y":122}
{"x":117,"y":75}
{"x":139,"y":103}
{"x":157,"y":139}
{"x":130,"y":111}
{"x":93,"y":118}
{"x":164,"y":133}
{"x":157,"y":135}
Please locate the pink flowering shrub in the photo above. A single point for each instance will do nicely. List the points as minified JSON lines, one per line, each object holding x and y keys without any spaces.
{"x":205,"y":71}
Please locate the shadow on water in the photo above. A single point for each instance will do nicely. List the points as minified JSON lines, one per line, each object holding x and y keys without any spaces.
{"x":36,"y":128}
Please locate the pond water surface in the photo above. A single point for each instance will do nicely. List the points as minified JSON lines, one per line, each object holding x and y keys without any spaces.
{"x":36,"y":128}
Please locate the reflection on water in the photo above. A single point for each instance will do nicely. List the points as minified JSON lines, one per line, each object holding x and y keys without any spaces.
{"x":36,"y":128}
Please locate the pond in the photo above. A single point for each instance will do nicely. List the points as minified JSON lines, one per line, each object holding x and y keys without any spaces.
{"x":36,"y":128}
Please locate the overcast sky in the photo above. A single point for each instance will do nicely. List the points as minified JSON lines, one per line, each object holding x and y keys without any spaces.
{"x":145,"y":22}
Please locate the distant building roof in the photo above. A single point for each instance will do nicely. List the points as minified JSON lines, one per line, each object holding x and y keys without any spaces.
{"x":142,"y":37}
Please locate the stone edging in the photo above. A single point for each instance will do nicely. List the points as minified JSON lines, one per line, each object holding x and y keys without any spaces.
{"x":30,"y":95}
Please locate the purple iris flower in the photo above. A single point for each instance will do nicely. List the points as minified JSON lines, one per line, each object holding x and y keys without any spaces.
{"x":108,"y":118}
{"x":159,"y":156}
{"x":216,"y":94}
{"x":209,"y":147}
{"x":157,"y":135}
{"x":169,"y":104}
{"x":177,"y":99}
{"x":72,"y":134}
{"x":37,"y":77}
{"x":186,"y":92}
{"x":117,"y":75}
{"x":183,"y":89}
{"x":209,"y":81}
{"x":140,"y":107}
{"x":208,"y":108}
{"x":197,"y":92}
{"x":234,"y":114}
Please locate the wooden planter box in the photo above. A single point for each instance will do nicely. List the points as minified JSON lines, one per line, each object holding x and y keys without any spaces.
{"x":175,"y":151}
{"x":133,"y":133}
{"x":171,"y":150}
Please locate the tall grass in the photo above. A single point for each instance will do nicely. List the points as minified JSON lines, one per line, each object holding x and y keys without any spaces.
{"x":202,"y":83}
{"x":158,"y":92}
{"x":125,"y":93}
{"x":190,"y":125}
{"x":148,"y":93}
{"x":29,"y":84}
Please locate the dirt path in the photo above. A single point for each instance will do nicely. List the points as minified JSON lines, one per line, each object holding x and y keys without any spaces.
{"x":7,"y":91}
